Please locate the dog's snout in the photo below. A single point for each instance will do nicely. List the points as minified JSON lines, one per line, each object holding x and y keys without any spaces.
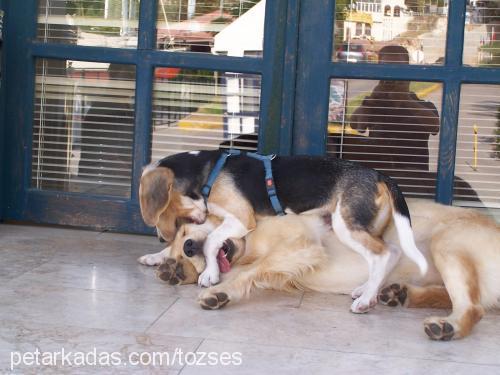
{"x":189,"y":248}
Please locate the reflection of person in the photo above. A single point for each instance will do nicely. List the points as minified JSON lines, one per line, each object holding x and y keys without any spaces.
{"x":399,"y":123}
{"x":108,"y":133}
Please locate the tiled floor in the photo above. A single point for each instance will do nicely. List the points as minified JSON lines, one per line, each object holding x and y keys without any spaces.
{"x":84,"y":292}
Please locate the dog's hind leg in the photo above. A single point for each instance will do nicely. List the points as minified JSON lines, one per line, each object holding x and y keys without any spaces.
{"x":434,"y":296}
{"x":381,"y":258}
{"x":461,"y":280}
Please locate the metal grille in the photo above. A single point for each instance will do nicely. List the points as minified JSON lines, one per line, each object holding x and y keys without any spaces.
{"x":83,"y":127}
{"x":478,"y":147}
{"x":391,"y":126}
{"x":195,"y":110}
{"x":228,"y":27}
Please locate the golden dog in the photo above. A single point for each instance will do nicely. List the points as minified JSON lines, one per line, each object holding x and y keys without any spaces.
{"x":301,"y":252}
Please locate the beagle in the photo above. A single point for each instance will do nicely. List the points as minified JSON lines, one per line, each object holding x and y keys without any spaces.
{"x":360,"y":203}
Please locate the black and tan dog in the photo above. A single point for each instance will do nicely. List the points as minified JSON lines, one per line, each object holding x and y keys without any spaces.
{"x":358,"y":201}
{"x":300,"y":252}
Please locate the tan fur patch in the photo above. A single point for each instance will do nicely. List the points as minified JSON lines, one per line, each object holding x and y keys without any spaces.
{"x":471,"y":278}
{"x":469,"y":319}
{"x":428,"y":297}
{"x":374,"y":244}
{"x":225,"y":195}
{"x":155,"y":193}
{"x":384,"y":204}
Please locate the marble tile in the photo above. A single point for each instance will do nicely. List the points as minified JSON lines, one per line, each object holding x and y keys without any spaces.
{"x":82,"y":307}
{"x":276,"y":360}
{"x":23,"y":336}
{"x":15,"y":262}
{"x":342,"y":303}
{"x":373,"y":333}
{"x":102,"y":276}
{"x":151,"y":240}
{"x":74,"y":246}
{"x":30,"y":232}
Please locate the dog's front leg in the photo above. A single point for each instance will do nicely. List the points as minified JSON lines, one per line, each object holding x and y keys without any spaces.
{"x":156,"y":258}
{"x":236,"y":285}
{"x":231,"y":227}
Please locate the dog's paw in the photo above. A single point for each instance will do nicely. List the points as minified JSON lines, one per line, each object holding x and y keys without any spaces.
{"x":209,"y":277}
{"x":153,"y":259}
{"x":393,"y":295}
{"x":171,"y":271}
{"x":356,"y":293}
{"x":439,"y":329}
{"x":213,"y":301}
{"x":362,"y":305}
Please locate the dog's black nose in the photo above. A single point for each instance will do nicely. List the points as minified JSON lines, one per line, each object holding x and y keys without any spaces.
{"x":189,"y":249}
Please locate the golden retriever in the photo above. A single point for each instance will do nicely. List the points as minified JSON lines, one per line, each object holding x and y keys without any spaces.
{"x":301,"y":252}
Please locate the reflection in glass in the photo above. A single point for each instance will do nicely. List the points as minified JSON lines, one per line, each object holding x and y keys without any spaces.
{"x":83,"y":127}
{"x":363,"y":27}
{"x":104,"y":23}
{"x":478,"y":146}
{"x":203,"y":110}
{"x":227,"y":27}
{"x":482,"y":34}
{"x":392,"y":126}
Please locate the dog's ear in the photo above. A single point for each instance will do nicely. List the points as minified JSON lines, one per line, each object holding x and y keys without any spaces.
{"x":155,"y":193}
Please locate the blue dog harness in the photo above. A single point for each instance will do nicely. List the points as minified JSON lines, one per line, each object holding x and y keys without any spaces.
{"x":269,"y":180}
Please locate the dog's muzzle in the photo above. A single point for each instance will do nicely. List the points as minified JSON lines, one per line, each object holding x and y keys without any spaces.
{"x":191,"y":248}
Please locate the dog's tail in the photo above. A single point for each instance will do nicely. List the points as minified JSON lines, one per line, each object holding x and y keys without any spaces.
{"x":402,"y":222}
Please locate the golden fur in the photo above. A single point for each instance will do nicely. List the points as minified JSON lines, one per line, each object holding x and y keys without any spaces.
{"x":299,"y":251}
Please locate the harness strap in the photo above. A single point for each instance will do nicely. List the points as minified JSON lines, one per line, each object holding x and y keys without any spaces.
{"x":269,"y":180}
{"x":205,"y":191}
{"x":270,"y":186}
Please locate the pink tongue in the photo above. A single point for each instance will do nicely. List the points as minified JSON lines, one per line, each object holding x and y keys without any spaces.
{"x":224,"y":265}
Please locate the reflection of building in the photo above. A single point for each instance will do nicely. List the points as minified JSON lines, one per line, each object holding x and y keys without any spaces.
{"x":195,"y":34}
{"x":236,"y":40}
{"x":380,"y":20}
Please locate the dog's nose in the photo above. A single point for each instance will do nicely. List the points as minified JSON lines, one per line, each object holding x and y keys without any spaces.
{"x":189,"y":249}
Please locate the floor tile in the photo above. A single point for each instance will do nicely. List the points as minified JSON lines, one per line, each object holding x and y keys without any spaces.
{"x":85,"y":308}
{"x":376,"y":332}
{"x":240,"y":358}
{"x":22,"y":337}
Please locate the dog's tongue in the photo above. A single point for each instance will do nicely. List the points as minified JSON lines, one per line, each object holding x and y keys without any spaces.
{"x":224,"y":265}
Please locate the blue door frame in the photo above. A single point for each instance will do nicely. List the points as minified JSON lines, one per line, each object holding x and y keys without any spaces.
{"x":295,"y":72}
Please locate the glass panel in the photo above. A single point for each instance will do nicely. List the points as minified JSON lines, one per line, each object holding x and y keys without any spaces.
{"x":222,"y":27}
{"x":104,"y":23}
{"x":83,"y":127}
{"x":478,"y":148}
{"x":391,"y":126}
{"x":203,"y":110}
{"x":376,"y":31}
{"x":482,"y":34}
